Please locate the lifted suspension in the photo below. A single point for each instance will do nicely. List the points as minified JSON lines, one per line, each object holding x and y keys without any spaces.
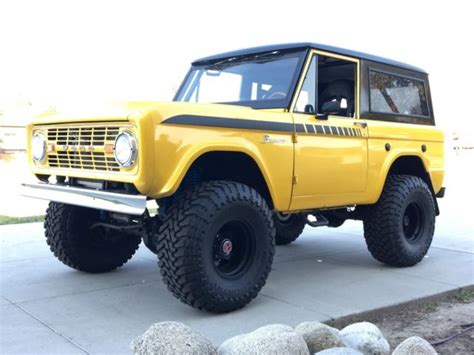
{"x":145,"y":226}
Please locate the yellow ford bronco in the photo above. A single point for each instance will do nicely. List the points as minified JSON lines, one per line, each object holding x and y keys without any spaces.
{"x":257,"y":144}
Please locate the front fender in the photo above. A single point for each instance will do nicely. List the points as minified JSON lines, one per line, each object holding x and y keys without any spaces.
{"x":177,"y":148}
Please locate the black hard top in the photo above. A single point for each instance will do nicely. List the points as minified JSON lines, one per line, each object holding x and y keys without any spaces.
{"x":305,"y":45}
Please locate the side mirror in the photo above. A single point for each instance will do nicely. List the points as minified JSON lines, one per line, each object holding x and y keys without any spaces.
{"x":309,"y":109}
{"x":331,"y":107}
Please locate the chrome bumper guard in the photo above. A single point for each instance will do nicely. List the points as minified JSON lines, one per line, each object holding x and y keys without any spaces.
{"x":102,"y":200}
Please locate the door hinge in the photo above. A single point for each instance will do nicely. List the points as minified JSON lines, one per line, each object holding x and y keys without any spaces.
{"x":295,"y":180}
{"x":294,"y":137}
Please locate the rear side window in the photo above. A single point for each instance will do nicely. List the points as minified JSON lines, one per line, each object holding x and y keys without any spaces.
{"x":395,"y":94}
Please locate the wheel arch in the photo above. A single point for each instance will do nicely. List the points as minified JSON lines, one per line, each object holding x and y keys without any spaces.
{"x":410,"y":165}
{"x":231,"y":165}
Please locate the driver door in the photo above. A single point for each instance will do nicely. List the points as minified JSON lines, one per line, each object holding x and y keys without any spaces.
{"x":330,"y":149}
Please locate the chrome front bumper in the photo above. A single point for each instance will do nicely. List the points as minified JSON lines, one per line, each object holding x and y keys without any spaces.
{"x":102,"y":200}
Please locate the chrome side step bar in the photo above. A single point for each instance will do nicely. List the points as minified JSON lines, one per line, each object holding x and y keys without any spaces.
{"x":102,"y":200}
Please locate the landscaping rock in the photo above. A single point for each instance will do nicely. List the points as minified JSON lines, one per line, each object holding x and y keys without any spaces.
{"x":414,"y":346}
{"x":366,"y":338}
{"x":339,"y":351}
{"x":171,"y":338}
{"x":273,"y":328}
{"x":319,"y":336}
{"x":270,"y":339}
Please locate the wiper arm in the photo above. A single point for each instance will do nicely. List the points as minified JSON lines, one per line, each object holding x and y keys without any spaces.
{"x":242,"y":59}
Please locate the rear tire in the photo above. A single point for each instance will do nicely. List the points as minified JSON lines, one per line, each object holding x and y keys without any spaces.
{"x":216,"y":246}
{"x":68,"y":234}
{"x":399,"y":228}
{"x":288,"y":227}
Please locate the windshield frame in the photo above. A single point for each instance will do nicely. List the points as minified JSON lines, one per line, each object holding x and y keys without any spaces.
{"x":256,"y":104}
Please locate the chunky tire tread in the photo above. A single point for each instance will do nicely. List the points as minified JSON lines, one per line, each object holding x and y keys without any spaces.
{"x":382,"y":226}
{"x":287,"y":233}
{"x":180,"y":245}
{"x":74,"y":248}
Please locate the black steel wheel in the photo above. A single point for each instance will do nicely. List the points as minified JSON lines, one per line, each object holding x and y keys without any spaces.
{"x":234,"y":249}
{"x":400,"y":227}
{"x":216,"y":246}
{"x":413,"y":221}
{"x":288,"y":226}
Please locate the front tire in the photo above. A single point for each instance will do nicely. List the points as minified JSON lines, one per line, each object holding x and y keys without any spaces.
{"x":216,"y":246}
{"x":75,"y":244}
{"x":288,"y":227}
{"x":400,"y":226}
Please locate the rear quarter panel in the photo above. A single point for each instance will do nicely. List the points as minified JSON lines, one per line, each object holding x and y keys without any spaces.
{"x":404,"y":140}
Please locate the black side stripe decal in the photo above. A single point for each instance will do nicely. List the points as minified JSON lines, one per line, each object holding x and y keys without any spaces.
{"x":299,"y":128}
{"x":225,"y":122}
{"x":333,"y":130}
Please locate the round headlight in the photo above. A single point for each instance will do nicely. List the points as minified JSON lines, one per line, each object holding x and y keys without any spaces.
{"x":125,"y":149}
{"x":38,"y":147}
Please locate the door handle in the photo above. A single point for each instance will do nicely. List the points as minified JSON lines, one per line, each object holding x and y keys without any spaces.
{"x":361,"y":124}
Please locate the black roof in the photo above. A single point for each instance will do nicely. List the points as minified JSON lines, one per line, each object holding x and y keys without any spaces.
{"x":305,"y":45}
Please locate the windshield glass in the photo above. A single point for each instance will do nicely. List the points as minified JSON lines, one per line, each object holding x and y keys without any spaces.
{"x":259,"y":80}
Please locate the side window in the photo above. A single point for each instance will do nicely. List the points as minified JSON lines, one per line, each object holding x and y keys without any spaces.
{"x":336,"y":86}
{"x":328,"y":88}
{"x":306,"y":102}
{"x":396,"y":94}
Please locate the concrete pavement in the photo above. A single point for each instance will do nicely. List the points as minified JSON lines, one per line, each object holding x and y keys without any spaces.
{"x":13,"y":172}
{"x":46,"y":307}
{"x":328,"y":273}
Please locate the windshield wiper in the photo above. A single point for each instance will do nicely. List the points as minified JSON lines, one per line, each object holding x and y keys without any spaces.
{"x":242,"y":59}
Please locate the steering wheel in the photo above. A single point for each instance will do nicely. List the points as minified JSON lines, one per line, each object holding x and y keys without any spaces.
{"x":276,"y":95}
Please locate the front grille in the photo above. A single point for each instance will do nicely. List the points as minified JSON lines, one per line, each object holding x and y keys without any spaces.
{"x":83,"y":147}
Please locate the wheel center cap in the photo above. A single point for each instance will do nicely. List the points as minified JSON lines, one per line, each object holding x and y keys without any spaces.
{"x":226,"y":247}
{"x":406,"y":221}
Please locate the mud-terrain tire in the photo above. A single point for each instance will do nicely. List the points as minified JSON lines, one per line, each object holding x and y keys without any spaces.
{"x":68,"y":234}
{"x":399,"y":228}
{"x":288,"y":227}
{"x":216,"y":246}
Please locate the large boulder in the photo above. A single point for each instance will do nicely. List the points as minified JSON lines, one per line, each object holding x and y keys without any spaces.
{"x":339,"y":351}
{"x":366,"y":338}
{"x":319,"y":336}
{"x":171,"y":338}
{"x":414,"y":346}
{"x":270,"y":339}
